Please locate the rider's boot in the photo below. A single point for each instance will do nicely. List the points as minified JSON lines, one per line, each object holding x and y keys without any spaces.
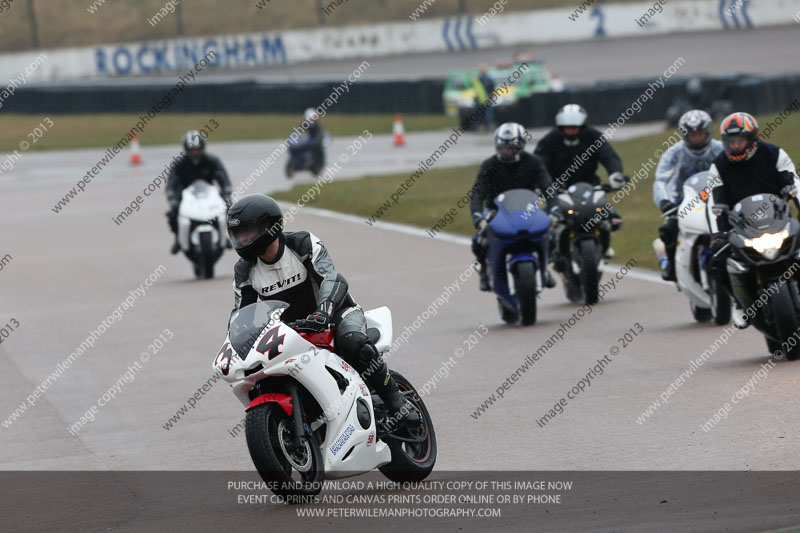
{"x":401,"y":411}
{"x":739,"y":317}
{"x":484,"y":276}
{"x":550,"y":280}
{"x":668,"y":265}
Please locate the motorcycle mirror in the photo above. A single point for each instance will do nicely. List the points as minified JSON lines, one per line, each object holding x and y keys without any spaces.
{"x":720,"y":209}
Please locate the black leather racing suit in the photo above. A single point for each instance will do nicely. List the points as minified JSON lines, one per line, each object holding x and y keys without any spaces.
{"x":208,"y":168}
{"x":496,"y":176}
{"x":304,"y":277}
{"x":768,"y":171}
{"x":564,"y":162}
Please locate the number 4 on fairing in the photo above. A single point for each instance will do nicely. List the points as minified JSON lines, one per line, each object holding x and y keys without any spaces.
{"x":270,"y":343}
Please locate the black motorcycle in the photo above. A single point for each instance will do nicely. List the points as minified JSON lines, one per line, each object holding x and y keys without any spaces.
{"x":762,"y":266}
{"x":582,"y":234}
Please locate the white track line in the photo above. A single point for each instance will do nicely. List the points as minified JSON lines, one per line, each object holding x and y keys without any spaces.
{"x":635,"y":273}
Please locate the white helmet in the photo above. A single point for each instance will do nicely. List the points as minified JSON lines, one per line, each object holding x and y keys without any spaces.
{"x":194,"y":144}
{"x":571,"y":115}
{"x":695,"y":121}
{"x":310,"y":115}
{"x":509,"y":141}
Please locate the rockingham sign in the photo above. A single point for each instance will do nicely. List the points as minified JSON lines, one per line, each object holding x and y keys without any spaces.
{"x":232,"y":51}
{"x":450,"y":34}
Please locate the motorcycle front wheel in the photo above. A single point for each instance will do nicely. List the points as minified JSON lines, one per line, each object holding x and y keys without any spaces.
{"x":588,"y":259}
{"x":525,"y":289}
{"x":288,"y":470}
{"x":782,"y":310}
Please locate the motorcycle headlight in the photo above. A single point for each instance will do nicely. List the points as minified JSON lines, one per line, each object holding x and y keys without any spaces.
{"x":768,"y":244}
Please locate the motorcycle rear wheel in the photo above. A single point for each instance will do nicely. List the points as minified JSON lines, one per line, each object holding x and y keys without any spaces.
{"x":206,"y":258}
{"x":509,"y":316}
{"x":411,"y":461}
{"x":700,"y":314}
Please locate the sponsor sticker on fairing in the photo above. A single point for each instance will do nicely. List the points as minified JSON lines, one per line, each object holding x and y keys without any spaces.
{"x":342,"y":440}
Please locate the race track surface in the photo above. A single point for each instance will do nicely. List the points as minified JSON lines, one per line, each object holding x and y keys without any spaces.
{"x":70,"y":271}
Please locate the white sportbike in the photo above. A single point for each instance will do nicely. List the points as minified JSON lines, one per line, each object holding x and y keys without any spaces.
{"x":310,"y":416}
{"x":707,"y":299}
{"x":202,"y":234}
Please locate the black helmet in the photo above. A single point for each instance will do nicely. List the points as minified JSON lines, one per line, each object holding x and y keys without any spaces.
{"x":193,"y":145}
{"x":254,"y":222}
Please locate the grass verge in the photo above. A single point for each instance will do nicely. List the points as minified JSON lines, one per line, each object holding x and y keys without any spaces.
{"x":104,"y":130}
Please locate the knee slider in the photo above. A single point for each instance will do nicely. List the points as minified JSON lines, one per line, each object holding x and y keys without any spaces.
{"x":359,"y":350}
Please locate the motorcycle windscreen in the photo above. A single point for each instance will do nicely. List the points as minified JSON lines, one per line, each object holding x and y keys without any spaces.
{"x":250,"y":321}
{"x":201,"y":188}
{"x":519,"y":213}
{"x":517,"y":200}
{"x":759,"y":214}
{"x":698,"y":183}
{"x":583,"y":201}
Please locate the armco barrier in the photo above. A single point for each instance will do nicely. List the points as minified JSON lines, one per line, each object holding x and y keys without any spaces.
{"x":605,"y":101}
{"x":423,"y":96}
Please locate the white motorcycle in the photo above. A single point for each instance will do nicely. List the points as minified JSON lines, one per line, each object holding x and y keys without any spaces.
{"x":707,"y":299}
{"x":201,"y":227}
{"x":310,"y":416}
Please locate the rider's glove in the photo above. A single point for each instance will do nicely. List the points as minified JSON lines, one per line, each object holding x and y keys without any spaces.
{"x":555,"y":214}
{"x":316,"y":322}
{"x":788,"y":191}
{"x":478,"y":221}
{"x":616,"y":180}
{"x":227,"y":199}
{"x":666,"y":205}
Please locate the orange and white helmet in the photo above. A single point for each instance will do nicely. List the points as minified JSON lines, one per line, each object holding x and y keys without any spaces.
{"x":739,"y":125}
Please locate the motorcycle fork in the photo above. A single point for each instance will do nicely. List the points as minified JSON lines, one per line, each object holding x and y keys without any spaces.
{"x":297,"y":415}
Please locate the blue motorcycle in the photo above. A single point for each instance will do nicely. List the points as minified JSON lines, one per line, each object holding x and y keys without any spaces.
{"x":517,"y":244}
{"x":304,"y":154}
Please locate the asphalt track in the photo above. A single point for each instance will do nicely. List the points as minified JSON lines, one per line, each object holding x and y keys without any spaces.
{"x":69,"y":271}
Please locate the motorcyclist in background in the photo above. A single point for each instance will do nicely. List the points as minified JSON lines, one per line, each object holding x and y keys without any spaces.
{"x":315,"y":132}
{"x":192,"y":165}
{"x":562,"y":150}
{"x":746,"y":167}
{"x":510,"y":168}
{"x":692,"y":154}
{"x":294,"y":267}
{"x":488,"y":88}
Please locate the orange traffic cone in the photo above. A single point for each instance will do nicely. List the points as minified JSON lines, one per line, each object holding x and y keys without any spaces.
{"x":136,"y":151}
{"x":399,"y":131}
